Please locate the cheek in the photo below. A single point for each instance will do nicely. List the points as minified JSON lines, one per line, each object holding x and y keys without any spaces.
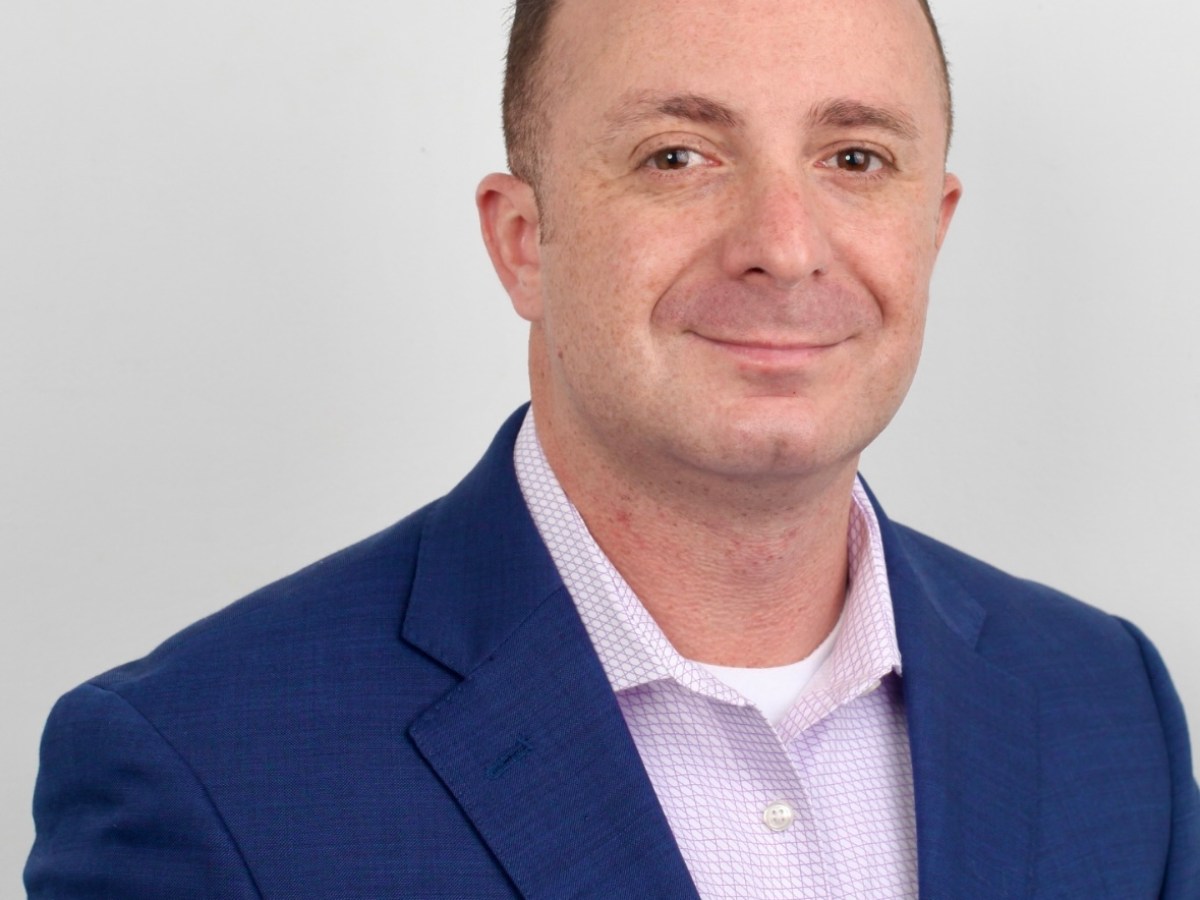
{"x":607,"y":267}
{"x":892,"y":257}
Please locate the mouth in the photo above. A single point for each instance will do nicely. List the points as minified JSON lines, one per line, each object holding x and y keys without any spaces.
{"x":771,"y":354}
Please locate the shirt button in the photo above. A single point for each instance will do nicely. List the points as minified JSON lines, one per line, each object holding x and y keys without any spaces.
{"x":779,"y":817}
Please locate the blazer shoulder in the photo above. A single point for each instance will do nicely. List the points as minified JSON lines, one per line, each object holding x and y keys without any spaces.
{"x":1018,"y":611}
{"x":353,"y":597}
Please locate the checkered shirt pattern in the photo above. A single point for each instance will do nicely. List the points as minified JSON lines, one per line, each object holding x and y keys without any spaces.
{"x":839,"y":759}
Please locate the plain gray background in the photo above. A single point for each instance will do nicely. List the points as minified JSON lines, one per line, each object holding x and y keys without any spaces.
{"x":247,"y":319}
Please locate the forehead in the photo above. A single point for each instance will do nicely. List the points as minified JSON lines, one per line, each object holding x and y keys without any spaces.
{"x":771,"y":55}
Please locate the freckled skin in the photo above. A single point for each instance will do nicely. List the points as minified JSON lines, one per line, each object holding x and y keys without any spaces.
{"x":762,"y":245}
{"x":713,"y":345}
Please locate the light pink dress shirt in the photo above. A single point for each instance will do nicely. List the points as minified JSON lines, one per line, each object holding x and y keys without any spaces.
{"x":820,"y":807}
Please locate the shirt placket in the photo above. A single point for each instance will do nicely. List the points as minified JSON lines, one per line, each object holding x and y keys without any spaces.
{"x":718,"y":768}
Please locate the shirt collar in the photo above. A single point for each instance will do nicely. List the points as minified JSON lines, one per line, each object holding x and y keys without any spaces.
{"x":634,"y":651}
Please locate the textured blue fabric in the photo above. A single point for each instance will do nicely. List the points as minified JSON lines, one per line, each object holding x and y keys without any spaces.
{"x":422,"y":716}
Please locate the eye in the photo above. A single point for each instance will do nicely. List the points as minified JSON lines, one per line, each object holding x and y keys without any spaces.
{"x":857,"y":160}
{"x":672,"y":159}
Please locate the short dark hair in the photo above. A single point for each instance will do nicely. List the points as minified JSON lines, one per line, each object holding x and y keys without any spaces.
{"x":524,"y":86}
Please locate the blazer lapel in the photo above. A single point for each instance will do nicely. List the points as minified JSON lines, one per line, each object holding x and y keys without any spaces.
{"x":973,"y":735}
{"x":531,"y":743}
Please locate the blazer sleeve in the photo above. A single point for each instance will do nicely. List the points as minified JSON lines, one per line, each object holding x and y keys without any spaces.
{"x":120,"y":814}
{"x":1182,"y":879}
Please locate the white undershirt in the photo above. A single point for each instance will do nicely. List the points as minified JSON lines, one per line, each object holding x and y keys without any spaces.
{"x":773,"y":690}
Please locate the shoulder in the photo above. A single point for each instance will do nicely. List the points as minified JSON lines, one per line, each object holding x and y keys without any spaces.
{"x":1015,"y":611}
{"x":1096,"y":677}
{"x":334,"y":615}
{"x":340,"y":613}
{"x":1089,"y":669}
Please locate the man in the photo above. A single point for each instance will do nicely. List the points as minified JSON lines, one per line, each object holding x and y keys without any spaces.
{"x":660,"y":642}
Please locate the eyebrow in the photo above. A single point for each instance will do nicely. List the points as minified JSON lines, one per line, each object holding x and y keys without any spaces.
{"x":642,"y":107}
{"x":853,"y":114}
{"x":645,"y":107}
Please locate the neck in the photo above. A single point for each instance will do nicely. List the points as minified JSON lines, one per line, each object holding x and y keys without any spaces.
{"x":745,"y":574}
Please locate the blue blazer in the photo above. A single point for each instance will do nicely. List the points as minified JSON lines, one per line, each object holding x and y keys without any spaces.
{"x":423,"y":716}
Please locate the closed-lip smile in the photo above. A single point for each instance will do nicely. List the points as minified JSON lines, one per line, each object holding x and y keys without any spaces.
{"x":769,"y":352}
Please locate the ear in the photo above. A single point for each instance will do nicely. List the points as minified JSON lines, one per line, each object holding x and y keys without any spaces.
{"x":951,"y":193}
{"x":508,"y":218}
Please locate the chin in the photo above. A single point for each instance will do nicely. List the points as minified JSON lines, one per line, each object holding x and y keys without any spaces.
{"x":775,"y":448}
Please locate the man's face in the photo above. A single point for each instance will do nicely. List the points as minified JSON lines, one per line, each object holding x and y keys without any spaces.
{"x":741,"y":202}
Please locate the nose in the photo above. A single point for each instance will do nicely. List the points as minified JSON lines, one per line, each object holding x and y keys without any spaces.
{"x":778,"y":236}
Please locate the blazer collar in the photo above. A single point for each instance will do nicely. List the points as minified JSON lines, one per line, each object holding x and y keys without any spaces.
{"x":532,"y":743}
{"x":972,"y":731}
{"x":481,"y":567}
